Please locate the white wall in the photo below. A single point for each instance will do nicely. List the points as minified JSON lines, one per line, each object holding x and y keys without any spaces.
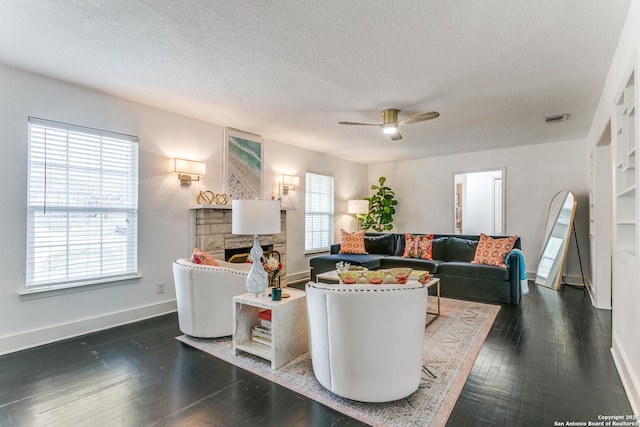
{"x":626,"y":275}
{"x":164,"y":216}
{"x":534,"y":173}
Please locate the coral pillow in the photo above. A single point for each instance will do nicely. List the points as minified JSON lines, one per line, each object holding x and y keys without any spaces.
{"x":352,"y":243}
{"x":493,"y":251}
{"x":201,"y":257}
{"x":418,"y":246}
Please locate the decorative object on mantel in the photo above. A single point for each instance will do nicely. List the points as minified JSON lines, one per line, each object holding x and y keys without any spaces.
{"x":381,"y":208}
{"x":256,"y":217}
{"x":209,"y":198}
{"x":243,"y":164}
{"x":187,"y":169}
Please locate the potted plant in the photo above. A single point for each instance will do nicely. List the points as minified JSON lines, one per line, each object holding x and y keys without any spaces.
{"x":381,"y":208}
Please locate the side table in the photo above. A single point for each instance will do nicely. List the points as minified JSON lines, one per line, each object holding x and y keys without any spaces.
{"x":288,"y":326}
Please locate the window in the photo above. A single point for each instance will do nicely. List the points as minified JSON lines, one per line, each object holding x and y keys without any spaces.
{"x":318,"y":208}
{"x":82,"y":206}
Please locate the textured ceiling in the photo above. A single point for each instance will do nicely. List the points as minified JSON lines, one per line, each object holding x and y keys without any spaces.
{"x":289,"y":70}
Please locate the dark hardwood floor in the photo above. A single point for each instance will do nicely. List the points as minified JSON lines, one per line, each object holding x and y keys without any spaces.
{"x":545,"y":360}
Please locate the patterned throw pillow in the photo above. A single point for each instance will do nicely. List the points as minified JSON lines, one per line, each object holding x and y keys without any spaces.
{"x":418,"y":246}
{"x":201,"y":257}
{"x":493,"y":251}
{"x":352,"y":243}
{"x":377,"y":277}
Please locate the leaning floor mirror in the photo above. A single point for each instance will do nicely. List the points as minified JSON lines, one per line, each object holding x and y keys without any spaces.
{"x":557,"y":234}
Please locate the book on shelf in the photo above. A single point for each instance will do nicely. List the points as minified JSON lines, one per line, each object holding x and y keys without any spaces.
{"x":261,"y":340}
{"x":260,"y":333}
{"x":265,"y":323}
{"x":265,"y":315}
{"x":262,"y":329}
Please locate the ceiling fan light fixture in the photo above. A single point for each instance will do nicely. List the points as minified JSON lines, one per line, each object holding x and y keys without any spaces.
{"x":389,"y":128}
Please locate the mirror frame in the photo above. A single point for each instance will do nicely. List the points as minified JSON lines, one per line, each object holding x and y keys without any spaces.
{"x":557,"y":281}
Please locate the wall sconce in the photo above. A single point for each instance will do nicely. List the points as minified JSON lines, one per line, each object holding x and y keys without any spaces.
{"x":288,"y":182}
{"x":187,"y":169}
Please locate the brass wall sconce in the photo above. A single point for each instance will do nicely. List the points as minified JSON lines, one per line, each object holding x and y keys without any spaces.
{"x":188,"y":170}
{"x":288,"y":182}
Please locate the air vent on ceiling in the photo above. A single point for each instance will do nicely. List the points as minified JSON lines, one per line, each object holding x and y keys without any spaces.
{"x":556,"y":119}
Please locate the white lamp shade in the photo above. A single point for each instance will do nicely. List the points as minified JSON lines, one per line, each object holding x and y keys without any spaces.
{"x":357,"y":206}
{"x":188,"y":167}
{"x":291,"y":180}
{"x":255,"y":216}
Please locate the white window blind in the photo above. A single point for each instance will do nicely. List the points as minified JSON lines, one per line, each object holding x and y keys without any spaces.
{"x":318,"y":224}
{"x":82,"y":224}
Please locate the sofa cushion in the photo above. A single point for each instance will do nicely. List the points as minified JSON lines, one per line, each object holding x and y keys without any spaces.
{"x":414,"y":263}
{"x":461,"y":250}
{"x":383,"y":244}
{"x":439,"y":248}
{"x":493,"y":251}
{"x":352,"y":243}
{"x":328,"y":262}
{"x":474,"y":271}
{"x":417,"y":246}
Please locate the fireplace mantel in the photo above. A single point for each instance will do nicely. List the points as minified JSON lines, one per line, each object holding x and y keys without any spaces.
{"x":228,"y":207}
{"x":211,"y":232}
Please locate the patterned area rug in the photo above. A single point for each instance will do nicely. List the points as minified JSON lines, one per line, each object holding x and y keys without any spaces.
{"x":451,"y":344}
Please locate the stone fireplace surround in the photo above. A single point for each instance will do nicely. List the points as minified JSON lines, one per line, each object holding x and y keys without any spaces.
{"x":212,"y":233}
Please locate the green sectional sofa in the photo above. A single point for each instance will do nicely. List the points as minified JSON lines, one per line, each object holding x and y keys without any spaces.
{"x":452,"y":256}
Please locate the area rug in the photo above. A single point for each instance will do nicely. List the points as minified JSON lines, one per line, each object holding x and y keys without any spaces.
{"x":451,"y":344}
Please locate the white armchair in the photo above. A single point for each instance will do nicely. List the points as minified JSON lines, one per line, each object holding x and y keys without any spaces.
{"x":366,"y":341}
{"x":204,"y":294}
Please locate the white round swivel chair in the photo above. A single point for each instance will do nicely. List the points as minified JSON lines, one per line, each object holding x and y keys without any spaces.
{"x":366,"y":341}
{"x":204,"y":294}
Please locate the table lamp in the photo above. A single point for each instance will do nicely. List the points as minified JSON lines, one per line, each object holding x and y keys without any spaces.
{"x":255,"y":217}
{"x":358,"y":208}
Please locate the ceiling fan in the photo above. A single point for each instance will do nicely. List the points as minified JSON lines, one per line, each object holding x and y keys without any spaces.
{"x":390,"y":123}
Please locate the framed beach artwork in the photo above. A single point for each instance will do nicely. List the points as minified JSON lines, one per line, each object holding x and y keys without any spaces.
{"x":243,"y":165}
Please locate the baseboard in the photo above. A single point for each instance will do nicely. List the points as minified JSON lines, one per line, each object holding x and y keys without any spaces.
{"x":573,"y":280}
{"x":629,"y":382}
{"x":38,"y":337}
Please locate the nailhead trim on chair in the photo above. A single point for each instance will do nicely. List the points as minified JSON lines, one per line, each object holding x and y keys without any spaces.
{"x":189,"y":264}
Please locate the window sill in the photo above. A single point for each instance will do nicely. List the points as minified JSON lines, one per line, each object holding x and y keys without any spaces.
{"x":78,"y":287}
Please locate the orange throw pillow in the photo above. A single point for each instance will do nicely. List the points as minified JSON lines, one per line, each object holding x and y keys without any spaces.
{"x":201,"y":257}
{"x":352,"y":243}
{"x":493,"y":251}
{"x":418,"y":246}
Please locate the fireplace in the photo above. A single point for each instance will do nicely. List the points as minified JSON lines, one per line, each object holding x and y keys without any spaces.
{"x":211,"y":232}
{"x":228,"y":253}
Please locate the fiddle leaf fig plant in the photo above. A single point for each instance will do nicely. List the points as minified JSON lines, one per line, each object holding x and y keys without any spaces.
{"x":381,"y":208}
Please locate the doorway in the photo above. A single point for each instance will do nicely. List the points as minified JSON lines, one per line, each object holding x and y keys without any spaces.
{"x":479,"y":202}
{"x":601,"y":221}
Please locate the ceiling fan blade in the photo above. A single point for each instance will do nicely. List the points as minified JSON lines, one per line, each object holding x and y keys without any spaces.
{"x":420,"y":118}
{"x":396,"y":136}
{"x":359,"y":124}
